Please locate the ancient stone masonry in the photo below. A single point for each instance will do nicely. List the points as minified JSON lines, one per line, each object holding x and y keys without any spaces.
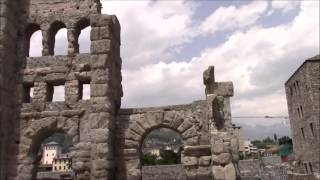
{"x":303,"y":98}
{"x":106,"y":140}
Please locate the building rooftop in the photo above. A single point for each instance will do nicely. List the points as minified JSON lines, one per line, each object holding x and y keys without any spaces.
{"x":51,"y":143}
{"x":312,"y":59}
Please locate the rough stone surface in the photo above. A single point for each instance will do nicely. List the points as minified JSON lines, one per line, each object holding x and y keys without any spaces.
{"x":106,"y":139}
{"x":303,"y":98}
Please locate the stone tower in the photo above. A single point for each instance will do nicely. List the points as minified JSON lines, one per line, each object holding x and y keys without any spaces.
{"x":106,"y":139}
{"x":303,"y":98}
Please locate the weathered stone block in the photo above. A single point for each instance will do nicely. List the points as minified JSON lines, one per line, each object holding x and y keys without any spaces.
{"x":230,"y":172}
{"x":221,"y":159}
{"x":189,"y":161}
{"x":218,"y":172}
{"x":205,"y":161}
{"x":99,"y":61}
{"x":101,"y":46}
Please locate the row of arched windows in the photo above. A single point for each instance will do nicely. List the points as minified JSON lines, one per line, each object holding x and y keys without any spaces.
{"x":56,"y":42}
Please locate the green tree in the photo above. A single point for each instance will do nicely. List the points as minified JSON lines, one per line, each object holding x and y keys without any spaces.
{"x":285,"y":140}
{"x":268,"y":141}
{"x":149,"y":159}
{"x":259,"y":144}
{"x":168,"y":157}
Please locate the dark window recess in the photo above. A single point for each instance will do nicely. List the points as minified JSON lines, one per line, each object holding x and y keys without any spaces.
{"x":301,"y":111}
{"x":302,"y":132}
{"x":49,"y":94}
{"x":306,"y":167}
{"x":27,"y":93}
{"x":299,"y":114}
{"x":311,"y":128}
{"x":310,"y":167}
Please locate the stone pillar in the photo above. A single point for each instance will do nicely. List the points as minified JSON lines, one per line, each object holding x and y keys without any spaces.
{"x":73,"y":46}
{"x":45,"y":41}
{"x":104,"y":84}
{"x":8,"y":78}
{"x":224,"y":144}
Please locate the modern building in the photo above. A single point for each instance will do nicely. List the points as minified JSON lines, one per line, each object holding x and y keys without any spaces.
{"x":53,"y":159}
{"x":61,"y":163}
{"x":303,"y":98}
{"x":50,"y":151}
{"x":249,"y":147}
{"x":238,"y":131}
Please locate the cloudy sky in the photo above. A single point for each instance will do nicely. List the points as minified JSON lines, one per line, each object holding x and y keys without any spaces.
{"x":166,"y":46}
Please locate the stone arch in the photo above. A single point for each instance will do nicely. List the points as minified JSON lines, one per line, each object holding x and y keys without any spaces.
{"x":140,"y":125}
{"x":54,"y":28}
{"x":29,"y":31}
{"x":32,"y":139}
{"x":82,"y":24}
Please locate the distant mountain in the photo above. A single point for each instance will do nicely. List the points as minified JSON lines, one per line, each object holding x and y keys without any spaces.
{"x":263,"y":131}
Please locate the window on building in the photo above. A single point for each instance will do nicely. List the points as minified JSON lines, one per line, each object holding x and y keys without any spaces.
{"x":302,"y":132}
{"x":64,"y":167}
{"x":59,"y":167}
{"x":301,"y":111}
{"x":311,"y":128}
{"x":306,"y":167}
{"x":47,"y":155}
{"x":55,"y":92}
{"x":310,"y":167}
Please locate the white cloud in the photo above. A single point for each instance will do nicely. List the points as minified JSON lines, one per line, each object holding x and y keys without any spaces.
{"x":61,"y":42}
{"x":285,"y":6}
{"x":231,"y":17}
{"x":258,"y":60}
{"x":246,"y":51}
{"x":149,"y":28}
{"x":84,"y":40}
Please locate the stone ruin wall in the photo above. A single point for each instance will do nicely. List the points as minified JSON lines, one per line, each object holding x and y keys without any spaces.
{"x":106,"y":139}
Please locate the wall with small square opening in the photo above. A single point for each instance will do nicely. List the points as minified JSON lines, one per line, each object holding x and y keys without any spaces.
{"x":84,"y":90}
{"x":55,"y":92}
{"x":27,"y":93}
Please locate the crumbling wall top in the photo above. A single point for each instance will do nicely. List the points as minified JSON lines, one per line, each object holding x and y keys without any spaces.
{"x":45,"y":8}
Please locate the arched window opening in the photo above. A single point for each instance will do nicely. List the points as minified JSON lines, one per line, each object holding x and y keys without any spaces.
{"x":54,"y":152}
{"x":84,"y":40}
{"x":33,"y":46}
{"x":83,"y":30}
{"x":162,"y":147}
{"x":58,"y":39}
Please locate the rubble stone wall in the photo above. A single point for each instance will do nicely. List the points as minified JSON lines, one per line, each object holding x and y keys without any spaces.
{"x":163,"y":172}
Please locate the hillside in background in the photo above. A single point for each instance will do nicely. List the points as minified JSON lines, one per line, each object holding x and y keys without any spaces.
{"x":263,"y":131}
